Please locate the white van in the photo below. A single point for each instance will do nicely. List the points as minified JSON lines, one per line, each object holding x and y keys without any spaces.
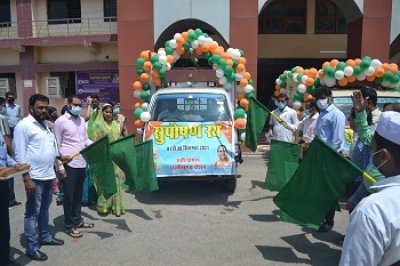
{"x":193,"y":134}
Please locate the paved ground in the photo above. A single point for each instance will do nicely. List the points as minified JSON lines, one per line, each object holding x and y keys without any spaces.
{"x":189,"y":223}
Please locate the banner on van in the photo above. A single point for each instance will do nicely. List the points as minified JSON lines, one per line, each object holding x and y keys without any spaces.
{"x":190,"y":149}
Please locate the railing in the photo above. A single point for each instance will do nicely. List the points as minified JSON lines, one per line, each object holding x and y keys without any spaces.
{"x":58,"y":27}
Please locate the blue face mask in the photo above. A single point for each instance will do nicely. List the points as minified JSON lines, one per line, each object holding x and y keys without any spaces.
{"x":3,"y":110}
{"x":281,"y":106}
{"x":116,"y":111}
{"x":75,"y":110}
{"x":307,"y":112}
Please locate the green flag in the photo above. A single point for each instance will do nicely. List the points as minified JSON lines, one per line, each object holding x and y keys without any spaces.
{"x":283,"y":162}
{"x":146,"y":180}
{"x":317,"y":184}
{"x":123,"y":153}
{"x":98,"y":157}
{"x":257,"y":115}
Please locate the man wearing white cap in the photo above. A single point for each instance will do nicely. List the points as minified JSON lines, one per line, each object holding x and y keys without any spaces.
{"x":373,"y":235}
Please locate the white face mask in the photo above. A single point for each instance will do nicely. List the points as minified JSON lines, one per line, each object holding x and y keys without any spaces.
{"x":322,"y":104}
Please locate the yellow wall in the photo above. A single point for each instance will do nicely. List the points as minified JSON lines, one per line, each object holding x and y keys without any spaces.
{"x":8,"y":57}
{"x":77,"y":54}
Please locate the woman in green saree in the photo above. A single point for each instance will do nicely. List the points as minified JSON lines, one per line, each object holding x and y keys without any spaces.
{"x":105,"y":125}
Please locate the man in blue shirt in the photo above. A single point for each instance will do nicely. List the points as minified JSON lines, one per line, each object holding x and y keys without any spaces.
{"x":330,"y":128}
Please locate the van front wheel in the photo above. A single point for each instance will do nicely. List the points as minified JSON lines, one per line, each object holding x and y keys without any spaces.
{"x":230,"y":184}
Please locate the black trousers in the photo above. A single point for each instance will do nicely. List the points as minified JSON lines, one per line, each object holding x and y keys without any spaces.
{"x":11,"y":193}
{"x":330,"y":217}
{"x":4,"y":223}
{"x":73,"y":189}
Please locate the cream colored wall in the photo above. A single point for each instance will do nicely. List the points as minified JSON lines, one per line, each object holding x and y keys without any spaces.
{"x":307,"y":45}
{"x":9,"y":57}
{"x":77,"y":54}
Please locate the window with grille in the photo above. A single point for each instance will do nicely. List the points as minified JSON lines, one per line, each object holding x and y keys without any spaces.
{"x":329,"y":19}
{"x":110,"y":10}
{"x":283,"y":17}
{"x":63,"y":11}
{"x":5,"y":13}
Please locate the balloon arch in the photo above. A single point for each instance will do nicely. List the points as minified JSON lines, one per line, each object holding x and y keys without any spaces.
{"x":229,"y":66}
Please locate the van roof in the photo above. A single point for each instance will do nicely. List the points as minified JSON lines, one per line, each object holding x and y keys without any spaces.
{"x":191,"y":90}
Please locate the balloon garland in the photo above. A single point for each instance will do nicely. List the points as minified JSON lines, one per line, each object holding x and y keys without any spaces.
{"x":299,"y":84}
{"x":229,"y":66}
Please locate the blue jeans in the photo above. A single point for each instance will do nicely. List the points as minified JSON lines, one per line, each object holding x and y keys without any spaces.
{"x":37,"y":215}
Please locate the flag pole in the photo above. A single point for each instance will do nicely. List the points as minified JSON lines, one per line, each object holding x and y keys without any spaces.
{"x":277,"y":118}
{"x":369,"y":178}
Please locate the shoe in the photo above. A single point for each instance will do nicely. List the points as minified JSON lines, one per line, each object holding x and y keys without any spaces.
{"x":340,"y":240}
{"x":14,"y":203}
{"x":10,"y":263}
{"x":37,"y":255}
{"x":53,"y":242}
{"x":325,"y":228}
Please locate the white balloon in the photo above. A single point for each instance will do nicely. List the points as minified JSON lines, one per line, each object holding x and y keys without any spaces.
{"x":162,"y":59}
{"x":322,"y":82}
{"x":195,"y":44}
{"x":219,"y":73}
{"x":301,"y":88}
{"x":330,"y":82}
{"x":209,"y":40}
{"x":348,"y":71}
{"x":283,"y":91}
{"x":201,"y":40}
{"x":249,"y":88}
{"x":304,"y":78}
{"x":297,"y":105}
{"x":145,"y":116}
{"x":145,"y":106}
{"x":172,"y":43}
{"x":278,"y":82}
{"x":375,"y":63}
{"x":245,"y":116}
{"x":161,"y":52}
{"x":361,"y":77}
{"x":167,"y":66}
{"x":230,"y":51}
{"x":228,"y":86}
{"x":385,"y":83}
{"x":236,"y":54}
{"x":177,"y":35}
{"x":222,"y":80}
{"x":137,"y":94}
{"x":294,"y":77}
{"x":239,"y":76}
{"x":370,"y":71}
{"x":339,"y":75}
{"x":243,"y":136}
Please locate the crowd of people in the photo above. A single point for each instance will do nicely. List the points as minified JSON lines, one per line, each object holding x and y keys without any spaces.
{"x":44,"y":148}
{"x":373,"y":235}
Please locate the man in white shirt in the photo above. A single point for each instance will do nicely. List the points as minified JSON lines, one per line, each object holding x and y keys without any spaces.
{"x":373,"y":235}
{"x":283,"y":128}
{"x":307,"y":125}
{"x":36,"y":145}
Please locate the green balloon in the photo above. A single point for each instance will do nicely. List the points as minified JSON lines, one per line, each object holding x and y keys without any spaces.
{"x":145,"y":96}
{"x":299,"y":96}
{"x":146,"y":86}
{"x":364,"y":64}
{"x":241,"y":52}
{"x":310,"y":89}
{"x":137,"y":112}
{"x":290,"y":75}
{"x":283,"y":84}
{"x":378,"y":80}
{"x":207,"y":55}
{"x":157,"y":65}
{"x":228,"y":71}
{"x":282,"y":77}
{"x":162,"y":73}
{"x":192,"y":36}
{"x":340,"y":66}
{"x":198,"y":32}
{"x":368,"y":58}
{"x":395,"y":79}
{"x":387,"y":76}
{"x":139,"y":71}
{"x":140,"y":61}
{"x":169,"y":50}
{"x":250,"y":81}
{"x":249,"y":95}
{"x":299,"y":77}
{"x":329,"y":71}
{"x":210,"y":61}
{"x":187,"y":46}
{"x":356,"y":70}
{"x":221,"y":63}
{"x":239,"y":113}
{"x":154,"y":58}
{"x":235,"y":63}
{"x":317,"y":82}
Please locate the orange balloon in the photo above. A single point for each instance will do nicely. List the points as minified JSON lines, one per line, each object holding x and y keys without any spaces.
{"x":350,"y":62}
{"x":144,"y":77}
{"x":244,"y":103}
{"x":306,"y":72}
{"x":219,"y":50}
{"x":313,"y":72}
{"x":170,"y":59}
{"x":309,"y":82}
{"x":385,"y":66}
{"x":185,"y":35}
{"x":225,"y":56}
{"x":157,"y":82}
{"x":147,"y":66}
{"x":239,"y":96}
{"x":240,"y":123}
{"x":145,"y":54}
{"x":246,"y":75}
{"x":277,"y":87}
{"x":393,"y":68}
{"x":357,"y":61}
{"x":307,"y":97}
{"x":198,"y":51}
{"x":229,"y":62}
{"x":334,"y":62}
{"x":137,"y":85}
{"x":299,"y":69}
{"x":155,"y":74}
{"x":137,"y":105}
{"x":350,"y":79}
{"x":277,"y":93}
{"x":321,"y":75}
{"x":379,"y":72}
{"x":180,"y":40}
{"x":213,"y":46}
{"x":180,"y":50}
{"x":243,"y":83}
{"x":325,"y":64}
{"x":139,"y":123}
{"x":370,"y":78}
{"x":342,"y":82}
{"x":242,"y":60}
{"x":240,"y":68}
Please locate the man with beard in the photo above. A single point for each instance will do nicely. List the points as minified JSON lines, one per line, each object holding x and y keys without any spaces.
{"x":35,"y":144}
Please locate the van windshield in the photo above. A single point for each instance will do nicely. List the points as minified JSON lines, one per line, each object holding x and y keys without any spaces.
{"x":345,"y":103}
{"x":191,"y":107}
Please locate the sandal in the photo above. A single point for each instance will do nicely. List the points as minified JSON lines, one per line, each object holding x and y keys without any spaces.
{"x":85,"y":225}
{"x":73,"y":233}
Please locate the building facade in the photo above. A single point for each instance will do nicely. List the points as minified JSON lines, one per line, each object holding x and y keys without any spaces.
{"x":63,"y":47}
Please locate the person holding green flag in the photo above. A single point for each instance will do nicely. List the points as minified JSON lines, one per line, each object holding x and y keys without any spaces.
{"x":106,"y":125}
